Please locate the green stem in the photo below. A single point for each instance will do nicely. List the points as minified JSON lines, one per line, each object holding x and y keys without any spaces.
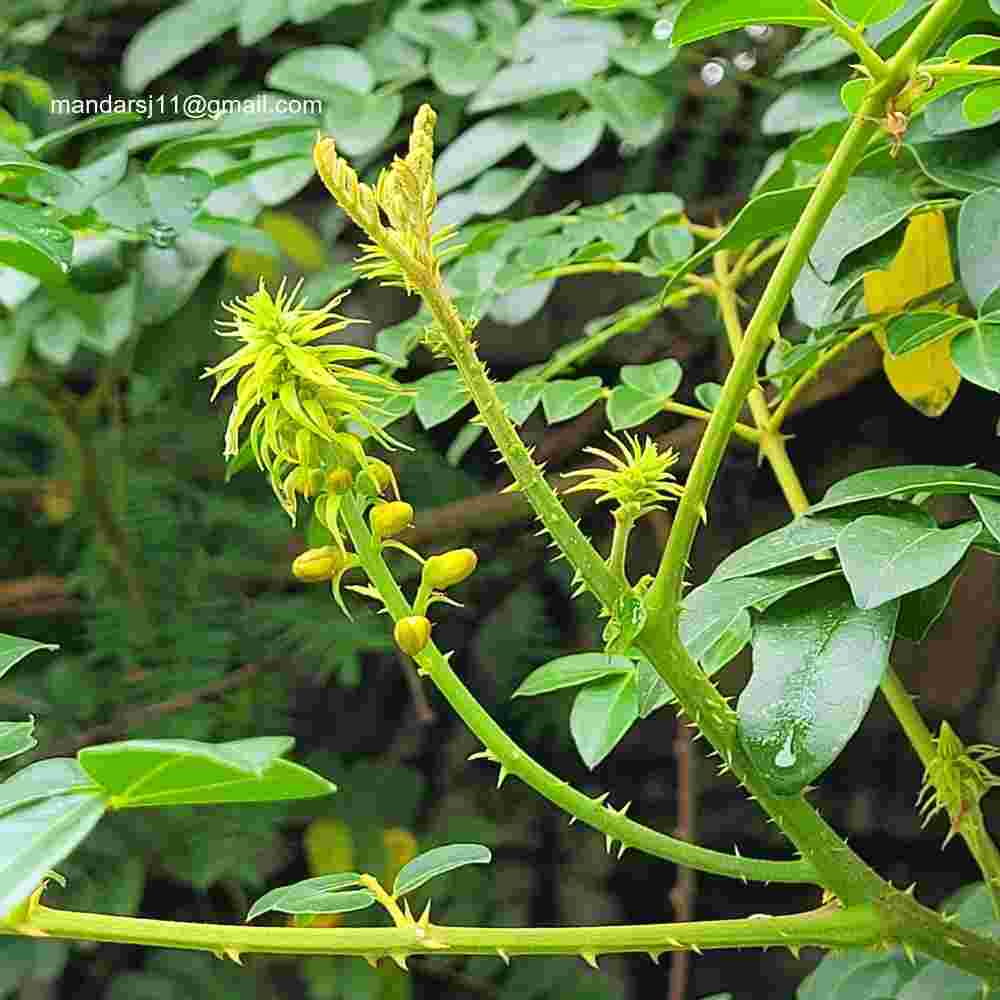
{"x":828,"y":927}
{"x":972,"y":70}
{"x":516,"y":761}
{"x":873,"y":62}
{"x":747,"y":433}
{"x":624,"y":523}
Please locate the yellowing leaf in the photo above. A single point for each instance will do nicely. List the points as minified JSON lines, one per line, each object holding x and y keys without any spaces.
{"x":329,"y":847}
{"x":927,"y":378}
{"x":400,"y":849}
{"x":298,"y":242}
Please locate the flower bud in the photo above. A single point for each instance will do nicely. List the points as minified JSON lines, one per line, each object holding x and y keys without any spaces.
{"x":378,"y":477}
{"x":389,"y":519}
{"x":449,"y":568}
{"x":318,"y":565}
{"x":412,"y":634}
{"x":339,"y":480}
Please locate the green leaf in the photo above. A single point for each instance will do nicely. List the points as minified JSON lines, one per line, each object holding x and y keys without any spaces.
{"x":361,"y":124}
{"x":651,"y":689}
{"x":982,"y":105}
{"x":634,"y":109}
{"x":869,"y":11}
{"x":817,"y":660}
{"x":628,"y":407}
{"x":314,"y":895}
{"x":670,"y":243}
{"x":390,"y":55}
{"x":912,"y":330}
{"x":476,"y":149}
{"x":322,"y":70}
{"x":920,"y":609}
{"x":440,"y":396}
{"x":174,"y":35}
{"x":550,"y":70}
{"x":708,"y":394}
{"x":601,"y":715}
{"x":237,"y":233}
{"x":976,"y":354}
{"x":493,"y":192}
{"x":660,"y":380}
{"x":45,"y":143}
{"x":970,"y":47}
{"x":565,"y":398}
{"x":886,"y":557}
{"x":644,"y":58}
{"x":260,"y":18}
{"x":900,"y":480}
{"x":40,"y":833}
{"x":460,"y":68}
{"x":989,"y":511}
{"x":79,"y":189}
{"x":438,"y":861}
{"x":13,"y":649}
{"x":184,"y":772}
{"x":873,"y":205}
{"x":231,"y":137}
{"x":978,"y":238}
{"x":520,"y":397}
{"x":15,"y":738}
{"x":42,"y":780}
{"x":563,"y":144}
{"x":704,"y":18}
{"x":732,"y":641}
{"x":709,"y":610}
{"x":571,"y":671}
{"x":766,"y":215}
{"x":35,"y":244}
{"x":804,"y":108}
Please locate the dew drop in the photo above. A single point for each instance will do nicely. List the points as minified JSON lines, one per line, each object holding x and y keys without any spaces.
{"x":162,"y":235}
{"x":785,"y":756}
{"x":627,"y":150}
{"x":663,"y":29}
{"x":745,"y":61}
{"x":713,"y":73}
{"x":760,"y":32}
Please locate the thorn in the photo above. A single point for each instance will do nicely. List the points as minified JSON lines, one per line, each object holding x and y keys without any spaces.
{"x":504,"y":956}
{"x":233,"y":955}
{"x":406,"y":911}
{"x":502,"y":775}
{"x":674,"y":943}
{"x":425,"y":917}
{"x":795,"y":950}
{"x":372,"y":960}
{"x":696,"y":949}
{"x":655,"y":956}
{"x":399,"y":957}
{"x":590,"y":958}
{"x":608,"y":843}
{"x":622,"y":850}
{"x":572,"y":820}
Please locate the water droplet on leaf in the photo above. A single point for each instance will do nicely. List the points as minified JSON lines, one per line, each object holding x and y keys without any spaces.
{"x":713,"y":73}
{"x":162,"y":235}
{"x":785,"y":756}
{"x":663,"y":29}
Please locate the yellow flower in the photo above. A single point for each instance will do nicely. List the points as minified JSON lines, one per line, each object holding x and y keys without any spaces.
{"x":638,"y":479}
{"x":412,"y":634}
{"x":307,"y":392}
{"x":449,"y":568}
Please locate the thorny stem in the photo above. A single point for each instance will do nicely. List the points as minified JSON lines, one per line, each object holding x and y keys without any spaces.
{"x":514,"y":760}
{"x":826,"y":927}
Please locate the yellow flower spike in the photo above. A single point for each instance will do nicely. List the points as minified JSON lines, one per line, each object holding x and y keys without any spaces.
{"x":449,"y":568}
{"x":638,"y":477}
{"x":412,"y":634}
{"x":389,"y":519}
{"x":321,"y":564}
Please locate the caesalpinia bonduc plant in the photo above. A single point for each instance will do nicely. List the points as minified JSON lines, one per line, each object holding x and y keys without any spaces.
{"x":820,"y":600}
